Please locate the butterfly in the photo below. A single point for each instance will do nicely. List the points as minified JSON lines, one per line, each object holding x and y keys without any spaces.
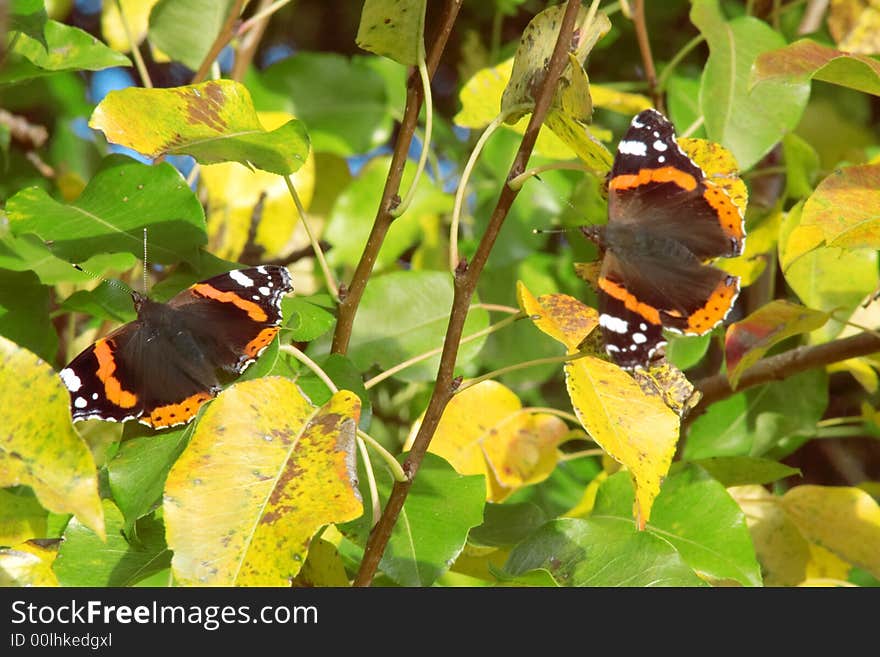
{"x":666,"y":219}
{"x":160,"y":368}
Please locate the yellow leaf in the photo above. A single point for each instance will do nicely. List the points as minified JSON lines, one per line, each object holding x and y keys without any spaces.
{"x":855,"y":25}
{"x":844,"y":520}
{"x":668,"y":383}
{"x":485,"y":430}
{"x":585,"y":506}
{"x":637,"y":430}
{"x":323,"y":566}
{"x":137,"y":15}
{"x":825,"y":565}
{"x":27,"y":564}
{"x":618,"y":101}
{"x":263,"y":472}
{"x":21,"y":518}
{"x":781,"y":550}
{"x":560,"y":316}
{"x":38,"y":445}
{"x":720,"y":168}
{"x":233,"y":193}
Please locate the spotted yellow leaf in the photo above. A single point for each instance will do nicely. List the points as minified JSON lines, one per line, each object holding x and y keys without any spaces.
{"x":262,"y":473}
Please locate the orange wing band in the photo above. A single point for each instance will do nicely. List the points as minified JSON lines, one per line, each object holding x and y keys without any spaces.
{"x":112,"y":386}
{"x":662,"y":175}
{"x":731,"y":218}
{"x":259,"y":343}
{"x":253,"y":310}
{"x":716,"y":308}
{"x":180,"y":413}
{"x":618,"y":292}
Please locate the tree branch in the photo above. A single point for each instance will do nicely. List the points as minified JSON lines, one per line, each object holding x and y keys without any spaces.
{"x":466,"y":278}
{"x":638,"y":17}
{"x":390,"y":199}
{"x":784,"y":365}
{"x":224,"y":37}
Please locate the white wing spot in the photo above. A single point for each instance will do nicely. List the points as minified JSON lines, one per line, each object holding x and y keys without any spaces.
{"x":661,"y":159}
{"x":639,"y":338}
{"x":240,"y":278}
{"x":660,"y":146}
{"x":95,"y":396}
{"x":256,"y":297}
{"x":70,"y":379}
{"x":265,"y":291}
{"x":643,"y":327}
{"x":611,"y":348}
{"x":656,"y":134}
{"x":633,"y":148}
{"x":614,"y":324}
{"x":80,"y":402}
{"x":262,"y":269}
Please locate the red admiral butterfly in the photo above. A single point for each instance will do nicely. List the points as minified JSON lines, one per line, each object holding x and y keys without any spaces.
{"x":665,"y":220}
{"x":160,"y":368}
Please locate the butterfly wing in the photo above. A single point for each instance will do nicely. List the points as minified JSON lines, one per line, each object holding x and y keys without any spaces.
{"x":656,"y":186}
{"x":235,"y":316}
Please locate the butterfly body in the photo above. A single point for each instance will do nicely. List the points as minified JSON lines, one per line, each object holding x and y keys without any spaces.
{"x":161,"y":367}
{"x":666,"y":221}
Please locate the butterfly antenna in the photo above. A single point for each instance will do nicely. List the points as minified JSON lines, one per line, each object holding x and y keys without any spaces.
{"x":112,"y":282}
{"x":543,"y":231}
{"x":145,"y":259}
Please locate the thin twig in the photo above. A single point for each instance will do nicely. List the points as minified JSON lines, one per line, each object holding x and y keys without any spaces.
{"x":349,"y":305}
{"x":426,"y":139}
{"x":250,"y":38}
{"x":518,"y":182}
{"x":264,"y":11}
{"x":312,"y":365}
{"x":135,"y":50}
{"x":223,"y":38}
{"x":391,"y":371}
{"x":376,"y":506}
{"x":466,"y":279}
{"x":784,"y":365}
{"x":667,"y":71}
{"x":395,"y":467}
{"x":638,"y":18}
{"x":518,"y":366}
{"x":319,"y":253}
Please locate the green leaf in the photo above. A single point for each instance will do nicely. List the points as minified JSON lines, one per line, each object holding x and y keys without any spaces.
{"x":697,"y":517}
{"x":138,"y":470}
{"x":185,"y":31}
{"x":749,"y":339}
{"x":24,"y":313}
{"x":29,"y":17}
{"x":776,"y":417}
{"x":122,"y":199}
{"x":683,"y":100}
{"x":213,"y":121}
{"x":807,"y":60}
{"x":309,"y":317}
{"x":431,"y":531}
{"x":685,"y":351}
{"x":601,"y":552}
{"x":748,"y":123}
{"x":68,"y":49}
{"x":347,"y":230}
{"x":833,"y":279}
{"x":107,"y":301}
{"x":394,"y":29}
{"x":506,"y":524}
{"x":801,"y":166}
{"x":84,"y":559}
{"x":29,"y":252}
{"x":340,"y":99}
{"x":743,"y":470}
{"x":40,"y":449}
{"x":404,"y":314}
